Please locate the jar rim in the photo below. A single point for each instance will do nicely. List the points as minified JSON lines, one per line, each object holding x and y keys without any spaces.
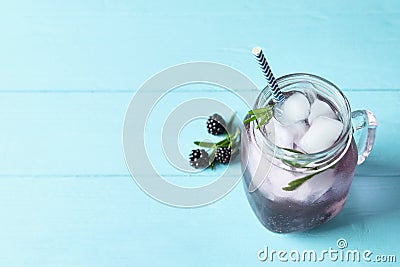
{"x":322,"y":158}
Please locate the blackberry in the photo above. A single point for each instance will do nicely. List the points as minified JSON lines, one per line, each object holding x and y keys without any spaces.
{"x":223,"y":155}
{"x":198,"y":158}
{"x":216,"y":125}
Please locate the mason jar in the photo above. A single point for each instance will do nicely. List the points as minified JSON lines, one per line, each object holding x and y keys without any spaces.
{"x":291,"y":191}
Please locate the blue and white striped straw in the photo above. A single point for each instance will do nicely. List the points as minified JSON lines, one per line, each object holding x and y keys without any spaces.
{"x":273,"y":86}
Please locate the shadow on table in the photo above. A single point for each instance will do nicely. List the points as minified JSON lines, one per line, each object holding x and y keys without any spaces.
{"x":369,"y":197}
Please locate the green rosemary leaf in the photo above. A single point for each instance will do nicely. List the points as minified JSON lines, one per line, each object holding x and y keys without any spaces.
{"x":249,"y":119}
{"x":260,"y":111}
{"x":263,"y":121}
{"x":223,"y":142}
{"x":293,"y":163}
{"x":204,"y":144}
{"x":293,"y":185}
{"x":291,"y":150}
{"x":298,"y":165}
{"x":263,"y":114}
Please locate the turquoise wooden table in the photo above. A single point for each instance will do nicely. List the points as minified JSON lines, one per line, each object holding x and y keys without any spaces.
{"x":68,"y":72}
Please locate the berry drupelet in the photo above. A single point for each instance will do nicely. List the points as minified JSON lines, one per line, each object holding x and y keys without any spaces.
{"x":216,"y":125}
{"x":199,"y":158}
{"x":223,"y":155}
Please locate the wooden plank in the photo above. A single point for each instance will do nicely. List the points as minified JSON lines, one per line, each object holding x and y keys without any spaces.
{"x":92,"y":46}
{"x":68,"y":71}
{"x":81,"y":133}
{"x":103,"y":222}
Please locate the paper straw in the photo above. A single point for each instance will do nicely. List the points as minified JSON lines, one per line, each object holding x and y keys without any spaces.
{"x":273,"y":86}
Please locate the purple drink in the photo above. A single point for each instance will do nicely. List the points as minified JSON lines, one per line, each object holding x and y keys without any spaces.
{"x":298,"y":168}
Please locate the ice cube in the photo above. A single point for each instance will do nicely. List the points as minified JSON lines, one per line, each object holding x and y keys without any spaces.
{"x":276,"y":180}
{"x":286,"y":135}
{"x":272,"y":182}
{"x":258,"y":166}
{"x":298,"y":130}
{"x":314,"y":188}
{"x":295,"y":108}
{"x":321,"y":135}
{"x":279,"y":134}
{"x":320,"y":108}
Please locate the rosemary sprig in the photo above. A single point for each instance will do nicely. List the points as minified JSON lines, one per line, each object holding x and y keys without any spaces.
{"x":293,"y":185}
{"x":228,"y":141}
{"x":262,"y":115}
{"x":231,"y":141}
{"x":291,"y":150}
{"x":204,"y":144}
{"x":295,"y":163}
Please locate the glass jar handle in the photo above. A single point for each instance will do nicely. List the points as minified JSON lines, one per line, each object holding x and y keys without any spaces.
{"x":364,"y":125}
